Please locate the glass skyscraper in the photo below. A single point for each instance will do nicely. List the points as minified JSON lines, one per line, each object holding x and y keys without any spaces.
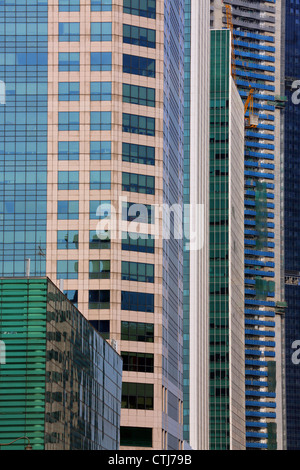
{"x":92,"y":133}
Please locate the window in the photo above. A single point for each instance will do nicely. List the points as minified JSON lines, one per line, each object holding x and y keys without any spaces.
{"x":145,"y":8}
{"x":101,"y":5}
{"x":68,"y":91}
{"x":101,"y":91}
{"x":101,"y":31}
{"x":143,"y":37}
{"x":139,"y":272}
{"x":100,"y":180}
{"x":138,"y":242}
{"x":101,"y":61}
{"x":67,"y":269}
{"x":67,"y":240}
{"x":69,"y":5}
{"x":67,"y":210}
{"x":103,"y":326}
{"x":141,"y":213}
{"x":137,"y":65}
{"x":138,"y":124}
{"x":100,"y":210}
{"x":137,"y":396}
{"x":143,"y":332}
{"x":100,"y":120}
{"x":99,"y":299}
{"x":69,"y":32}
{"x":99,"y":240}
{"x":68,"y":180}
{"x":69,"y":61}
{"x":100,"y":150}
{"x":136,"y":183}
{"x":72,"y":295}
{"x":140,"y":95}
{"x":68,"y":121}
{"x":68,"y":150}
{"x":138,"y":362}
{"x":134,"y":153}
{"x":137,"y":302}
{"x":99,"y":270}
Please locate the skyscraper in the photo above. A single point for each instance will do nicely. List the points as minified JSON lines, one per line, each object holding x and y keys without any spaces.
{"x":257,"y":31}
{"x":291,"y":227}
{"x":92,"y":129}
{"x":226,"y":258}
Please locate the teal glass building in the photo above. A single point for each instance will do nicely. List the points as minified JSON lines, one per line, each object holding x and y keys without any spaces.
{"x":60,"y":382}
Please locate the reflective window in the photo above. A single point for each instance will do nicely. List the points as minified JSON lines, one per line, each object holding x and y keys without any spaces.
{"x":69,"y":32}
{"x":138,"y":124}
{"x":139,"y":36}
{"x":100,"y":150}
{"x":67,"y":269}
{"x":101,"y":31}
{"x":101,"y":61}
{"x":67,"y":240}
{"x":67,"y":210}
{"x":140,"y":95}
{"x":137,"y":65}
{"x":68,"y":150}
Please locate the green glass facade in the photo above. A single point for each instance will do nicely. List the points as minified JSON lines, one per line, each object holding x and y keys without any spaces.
{"x":219,"y":241}
{"x":60,"y":384}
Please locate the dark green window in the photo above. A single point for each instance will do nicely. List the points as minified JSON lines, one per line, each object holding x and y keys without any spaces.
{"x":99,"y":269}
{"x":134,"y":153}
{"x":137,"y":396}
{"x":137,"y":302}
{"x":143,"y":332}
{"x":67,"y":240}
{"x":145,"y":8}
{"x":138,"y":362}
{"x":138,"y":242}
{"x":143,"y":37}
{"x":103,"y":326}
{"x":136,"y":183}
{"x":135,"y":124}
{"x":140,"y":95}
{"x":99,"y":240}
{"x":142,"y":213}
{"x":138,"y":65}
{"x":99,"y":299}
{"x":139,"y":272}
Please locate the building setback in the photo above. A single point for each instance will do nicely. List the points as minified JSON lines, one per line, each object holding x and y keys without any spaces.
{"x":60,"y":381}
{"x":257,"y":30}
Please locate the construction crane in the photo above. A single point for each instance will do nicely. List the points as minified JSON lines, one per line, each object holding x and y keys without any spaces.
{"x":251,"y":121}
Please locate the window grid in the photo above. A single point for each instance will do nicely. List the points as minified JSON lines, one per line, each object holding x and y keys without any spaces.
{"x":137,"y":65}
{"x":138,"y":362}
{"x":99,"y":269}
{"x":141,"y":125}
{"x":141,"y":154}
{"x":140,"y":242}
{"x":136,"y":183}
{"x":67,"y":239}
{"x":137,"y":302}
{"x":100,"y":180}
{"x":137,"y":36}
{"x":138,"y":272}
{"x":101,"y":31}
{"x":141,"y":332}
{"x":137,"y":396}
{"x":139,"y":95}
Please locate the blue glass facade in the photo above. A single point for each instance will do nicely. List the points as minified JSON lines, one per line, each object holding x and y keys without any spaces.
{"x":255,"y":60}
{"x":23,"y":135}
{"x":292,"y":222}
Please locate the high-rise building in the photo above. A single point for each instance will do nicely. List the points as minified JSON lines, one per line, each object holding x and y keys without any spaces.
{"x":257,"y":36}
{"x":93,"y":129}
{"x":60,"y":382}
{"x":226,"y":257}
{"x":291,"y":223}
{"x":196,"y":195}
